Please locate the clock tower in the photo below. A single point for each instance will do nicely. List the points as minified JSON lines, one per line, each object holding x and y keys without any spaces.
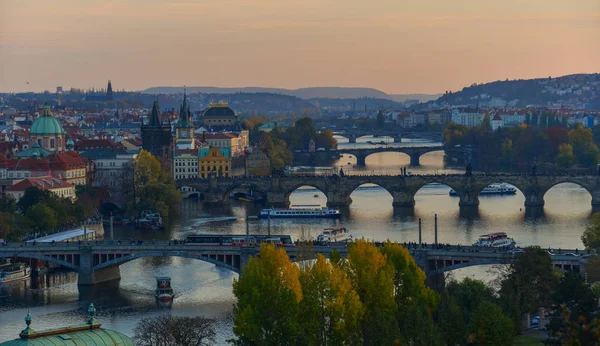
{"x":184,"y":131}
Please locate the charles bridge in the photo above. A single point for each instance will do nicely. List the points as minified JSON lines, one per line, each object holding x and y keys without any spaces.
{"x":97,"y":262}
{"x":402,"y":188}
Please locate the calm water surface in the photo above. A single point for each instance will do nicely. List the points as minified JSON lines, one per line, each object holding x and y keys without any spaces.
{"x":203,"y":289}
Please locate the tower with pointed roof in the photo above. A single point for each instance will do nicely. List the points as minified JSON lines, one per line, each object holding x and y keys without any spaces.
{"x":109,"y":95}
{"x":157,"y":137}
{"x":184,"y":131}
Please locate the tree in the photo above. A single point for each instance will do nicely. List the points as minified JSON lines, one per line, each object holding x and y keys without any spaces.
{"x":415,"y":302}
{"x":528,"y":285}
{"x":591,"y":235}
{"x":592,"y":268}
{"x":468,"y":294}
{"x":489,"y":326}
{"x":268,"y":295}
{"x":31,"y":197}
{"x":373,"y":277}
{"x":486,"y":123}
{"x":451,"y":321}
{"x":565,"y":157}
{"x":380,"y":120}
{"x":585,"y":150}
{"x":43,"y":218}
{"x":174,"y":331}
{"x":330,"y":312}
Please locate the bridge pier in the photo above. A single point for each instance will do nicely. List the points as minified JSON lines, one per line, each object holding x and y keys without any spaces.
{"x":361,"y":160}
{"x":352,"y":139}
{"x":86,"y":275}
{"x":338,"y":199}
{"x":398,"y":139}
{"x":414,"y":159}
{"x":278,"y":199}
{"x":534,"y":199}
{"x":468,"y":199}
{"x":403,"y":199}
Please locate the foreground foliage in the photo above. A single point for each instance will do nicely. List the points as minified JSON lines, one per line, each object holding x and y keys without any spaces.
{"x":174,"y":331}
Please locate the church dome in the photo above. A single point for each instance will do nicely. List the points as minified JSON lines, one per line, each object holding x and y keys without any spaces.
{"x":218,"y":110}
{"x":46,"y":124}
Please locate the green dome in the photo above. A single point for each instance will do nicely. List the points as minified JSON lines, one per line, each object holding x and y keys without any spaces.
{"x":46,"y":125}
{"x":96,"y":337}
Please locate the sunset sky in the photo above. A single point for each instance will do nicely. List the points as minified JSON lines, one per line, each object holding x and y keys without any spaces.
{"x":398,"y":46}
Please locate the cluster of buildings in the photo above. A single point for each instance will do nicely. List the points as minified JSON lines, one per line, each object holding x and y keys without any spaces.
{"x":57,"y":150}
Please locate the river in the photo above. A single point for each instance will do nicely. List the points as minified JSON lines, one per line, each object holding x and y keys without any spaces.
{"x":203,"y":289}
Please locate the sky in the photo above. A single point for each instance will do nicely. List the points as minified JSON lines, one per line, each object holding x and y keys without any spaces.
{"x":397,"y":46}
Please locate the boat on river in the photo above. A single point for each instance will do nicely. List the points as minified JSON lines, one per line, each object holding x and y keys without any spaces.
{"x":13,"y":272}
{"x":494,"y":189}
{"x":497,"y":239}
{"x":301,"y":211}
{"x":334,"y":235}
{"x":164,"y":292}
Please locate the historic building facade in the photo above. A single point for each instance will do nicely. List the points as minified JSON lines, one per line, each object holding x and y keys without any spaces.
{"x":219,"y":115}
{"x":258,"y":164}
{"x":184,"y":131}
{"x":214,"y":160}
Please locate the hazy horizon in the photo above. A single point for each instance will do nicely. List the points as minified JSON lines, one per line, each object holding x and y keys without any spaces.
{"x":399,"y":47}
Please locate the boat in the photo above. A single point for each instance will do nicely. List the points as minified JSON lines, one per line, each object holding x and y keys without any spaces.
{"x":163,"y":292}
{"x":149,"y":220}
{"x":498,"y":239}
{"x":301,"y":211}
{"x":494,"y":189}
{"x":316,"y":196}
{"x":334,"y":234}
{"x":14,"y":271}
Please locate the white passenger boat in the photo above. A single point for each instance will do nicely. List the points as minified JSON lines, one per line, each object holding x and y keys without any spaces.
{"x":494,"y":189}
{"x":498,"y":239}
{"x":334,"y":234}
{"x":300,"y":211}
{"x":15,"y":271}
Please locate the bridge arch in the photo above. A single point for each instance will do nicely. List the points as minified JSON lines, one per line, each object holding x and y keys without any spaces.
{"x":296,"y":187}
{"x":594,"y":194}
{"x":41,"y":258}
{"x":234,"y":265}
{"x":367,"y":185}
{"x":467,"y":197}
{"x":243,"y":185}
{"x":467,"y":264}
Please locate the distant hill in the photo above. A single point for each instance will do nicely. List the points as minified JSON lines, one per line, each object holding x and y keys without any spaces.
{"x":575,"y":91}
{"x":303,"y":93}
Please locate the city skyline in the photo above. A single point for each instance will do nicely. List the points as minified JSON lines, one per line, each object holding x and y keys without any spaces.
{"x":425,"y":47}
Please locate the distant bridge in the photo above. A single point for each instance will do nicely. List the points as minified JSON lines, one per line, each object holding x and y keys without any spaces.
{"x":353,"y":134}
{"x":97,"y":262}
{"x":414,"y":152}
{"x":338,"y":189}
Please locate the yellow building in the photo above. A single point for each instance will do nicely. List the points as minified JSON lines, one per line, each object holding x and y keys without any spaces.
{"x":217,"y":160}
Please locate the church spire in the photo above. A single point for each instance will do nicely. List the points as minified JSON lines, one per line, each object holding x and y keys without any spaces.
{"x":184,"y":113}
{"x":155,"y":116}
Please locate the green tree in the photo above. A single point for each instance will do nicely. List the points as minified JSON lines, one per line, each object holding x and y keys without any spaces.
{"x":486,"y":123}
{"x":468,"y":294}
{"x":585,"y":150}
{"x":31,"y":197}
{"x":373,"y":277}
{"x":451,"y":321}
{"x":528,"y":285}
{"x":565,"y":157}
{"x":489,"y":326}
{"x":330,"y":312}
{"x":43,"y":218}
{"x":591,"y":235}
{"x":380,"y":120}
{"x":415,"y":302}
{"x":268,"y":295}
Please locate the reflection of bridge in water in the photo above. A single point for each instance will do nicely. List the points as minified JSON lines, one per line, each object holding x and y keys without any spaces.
{"x":99,"y":262}
{"x":403,"y":189}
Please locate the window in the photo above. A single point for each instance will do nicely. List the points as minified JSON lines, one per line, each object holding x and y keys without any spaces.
{"x":52,"y":143}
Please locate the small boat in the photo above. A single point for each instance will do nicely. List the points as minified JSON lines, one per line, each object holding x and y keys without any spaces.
{"x":301,"y":211}
{"x":316,"y":196}
{"x":14,"y":271}
{"x":494,"y":189}
{"x":498,"y":239}
{"x":163,"y":292}
{"x":149,"y":220}
{"x":334,"y":234}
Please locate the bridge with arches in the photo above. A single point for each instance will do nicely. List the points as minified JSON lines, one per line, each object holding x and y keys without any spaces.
{"x":97,"y":262}
{"x":414,"y":152}
{"x":403,"y":189}
{"x":398,"y":135}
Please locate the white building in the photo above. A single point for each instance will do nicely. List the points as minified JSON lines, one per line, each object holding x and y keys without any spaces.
{"x":109,"y":165}
{"x":467,"y":116}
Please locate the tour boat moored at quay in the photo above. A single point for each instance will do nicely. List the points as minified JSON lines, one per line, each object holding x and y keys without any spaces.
{"x":498,"y":239}
{"x":494,"y":189}
{"x":334,"y":234}
{"x":301,"y":211}
{"x":14,"y":271}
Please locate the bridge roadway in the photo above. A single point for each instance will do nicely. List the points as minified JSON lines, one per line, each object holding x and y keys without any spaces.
{"x":414,"y":152}
{"x":338,"y":189}
{"x":97,"y":262}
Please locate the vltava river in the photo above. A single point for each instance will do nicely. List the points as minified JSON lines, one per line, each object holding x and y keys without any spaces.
{"x":203,"y":289}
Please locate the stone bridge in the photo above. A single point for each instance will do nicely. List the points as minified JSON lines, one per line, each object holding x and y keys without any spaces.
{"x":413,"y":152}
{"x":338,"y":189}
{"x":98,"y":262}
{"x":398,"y":135}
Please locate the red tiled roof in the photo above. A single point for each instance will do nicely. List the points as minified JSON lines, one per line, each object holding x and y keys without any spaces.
{"x":42,"y":183}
